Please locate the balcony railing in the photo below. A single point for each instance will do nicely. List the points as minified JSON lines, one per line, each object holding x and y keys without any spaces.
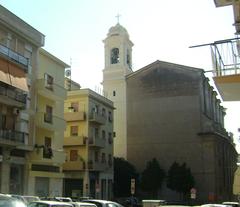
{"x":74,"y":165}
{"x":13,"y":94}
{"x":226,"y":57}
{"x":97,"y":118}
{"x":13,"y":136}
{"x":96,"y":142}
{"x":74,"y":141}
{"x":74,"y":116}
{"x":14,"y":56}
{"x":96,"y":166}
{"x":39,"y":155}
{"x":51,"y":91}
{"x":49,"y":121}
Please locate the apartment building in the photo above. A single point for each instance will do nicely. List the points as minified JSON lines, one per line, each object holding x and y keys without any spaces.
{"x":45,"y":161}
{"x":19,"y":45}
{"x":88,"y":143}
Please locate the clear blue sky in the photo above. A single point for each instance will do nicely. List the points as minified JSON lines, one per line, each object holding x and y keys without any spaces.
{"x":160,"y":30}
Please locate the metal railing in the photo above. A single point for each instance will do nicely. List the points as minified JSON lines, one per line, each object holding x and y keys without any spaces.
{"x":12,"y":135}
{"x":14,"y":56}
{"x":12,"y":94}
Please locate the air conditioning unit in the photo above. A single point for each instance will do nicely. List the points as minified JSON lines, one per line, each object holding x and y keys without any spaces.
{"x":16,"y":111}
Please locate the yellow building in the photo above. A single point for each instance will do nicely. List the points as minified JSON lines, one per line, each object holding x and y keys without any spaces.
{"x":45,"y":162}
{"x":88,"y":143}
{"x":19,"y":45}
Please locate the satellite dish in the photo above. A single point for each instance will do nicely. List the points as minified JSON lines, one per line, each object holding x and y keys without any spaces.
{"x":68,"y":73}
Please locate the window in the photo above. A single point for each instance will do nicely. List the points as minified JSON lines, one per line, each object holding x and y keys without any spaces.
{"x":114,"y":56}
{"x":110,"y":160}
{"x":48,"y":81}
{"x":110,"y":140}
{"x":129,"y":59}
{"x":110,"y":116}
{"x":96,"y":132}
{"x":73,"y":155}
{"x":96,"y":156}
{"x":103,"y":112}
{"x":74,"y":131}
{"x":95,"y":109}
{"x":114,"y":93}
{"x":48,"y":115}
{"x":103,"y":158}
{"x":74,"y":106}
{"x":103,"y":134}
{"x":47,"y":150}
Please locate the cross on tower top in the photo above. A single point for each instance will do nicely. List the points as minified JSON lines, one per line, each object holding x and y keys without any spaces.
{"x":118,"y":17}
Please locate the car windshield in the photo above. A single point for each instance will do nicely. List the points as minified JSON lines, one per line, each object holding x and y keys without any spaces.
{"x":11,"y":203}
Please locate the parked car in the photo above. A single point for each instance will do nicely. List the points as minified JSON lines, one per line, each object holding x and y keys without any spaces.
{"x":232,"y":204}
{"x":49,"y":204}
{"x":64,"y":199}
{"x":9,"y":201}
{"x":214,"y":205}
{"x":29,"y":199}
{"x":83,"y":204}
{"x":103,"y":203}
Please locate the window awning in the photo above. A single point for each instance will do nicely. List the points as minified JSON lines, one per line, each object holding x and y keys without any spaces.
{"x":13,"y":75}
{"x":4,"y":73}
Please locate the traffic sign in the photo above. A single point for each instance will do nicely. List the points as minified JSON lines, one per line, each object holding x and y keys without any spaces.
{"x":193,"y":192}
{"x":132,"y":186}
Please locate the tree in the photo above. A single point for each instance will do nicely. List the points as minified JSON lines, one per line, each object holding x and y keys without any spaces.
{"x":180,"y":178}
{"x":152,"y":177}
{"x":123,"y":173}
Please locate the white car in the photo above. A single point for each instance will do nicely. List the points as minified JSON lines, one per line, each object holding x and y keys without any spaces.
{"x":8,"y":201}
{"x":83,"y":204}
{"x":103,"y":203}
{"x":49,"y":204}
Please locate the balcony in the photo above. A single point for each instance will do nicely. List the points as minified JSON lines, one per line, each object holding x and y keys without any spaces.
{"x":74,"y":166}
{"x":96,"y":166}
{"x":51,"y":91}
{"x":12,"y":138}
{"x":226,"y":71}
{"x":12,"y":97}
{"x":49,"y":122}
{"x":97,"y":118}
{"x":74,"y":141}
{"x":220,"y":3}
{"x":38,"y":156}
{"x":96,"y":142}
{"x":14,"y":57}
{"x":72,"y":115}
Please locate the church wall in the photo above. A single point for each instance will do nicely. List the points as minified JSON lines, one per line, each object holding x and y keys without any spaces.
{"x":164,"y":116}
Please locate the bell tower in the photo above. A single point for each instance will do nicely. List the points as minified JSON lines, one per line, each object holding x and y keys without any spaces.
{"x":118,"y":64}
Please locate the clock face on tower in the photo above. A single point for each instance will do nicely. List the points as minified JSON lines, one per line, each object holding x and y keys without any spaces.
{"x":114,"y":56}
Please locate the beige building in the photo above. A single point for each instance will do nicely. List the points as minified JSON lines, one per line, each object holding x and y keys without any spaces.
{"x":45,"y":162}
{"x":88,"y":143}
{"x":169,"y":112}
{"x":19,"y":45}
{"x":32,"y":122}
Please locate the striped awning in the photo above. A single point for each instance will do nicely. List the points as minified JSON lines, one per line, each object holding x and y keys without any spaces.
{"x":13,"y":75}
